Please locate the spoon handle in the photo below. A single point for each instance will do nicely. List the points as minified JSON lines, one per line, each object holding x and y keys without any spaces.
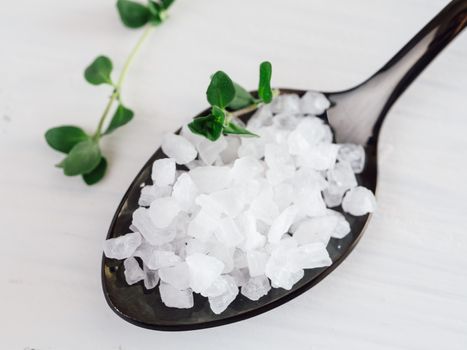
{"x":359,"y":112}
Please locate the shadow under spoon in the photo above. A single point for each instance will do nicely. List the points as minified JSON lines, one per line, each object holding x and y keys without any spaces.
{"x":356,"y":116}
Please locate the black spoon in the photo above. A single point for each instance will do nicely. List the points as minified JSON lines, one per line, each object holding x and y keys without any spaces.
{"x":356,"y":116}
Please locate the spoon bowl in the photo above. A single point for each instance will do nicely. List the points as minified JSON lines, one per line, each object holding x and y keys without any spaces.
{"x":356,"y":116}
{"x":145,"y":308}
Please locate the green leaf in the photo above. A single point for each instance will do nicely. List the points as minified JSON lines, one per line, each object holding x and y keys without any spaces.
{"x":82,"y":159}
{"x":98,"y":72}
{"x":97,"y":174}
{"x":232,"y":128}
{"x":133,"y":14}
{"x":156,"y":11}
{"x":154,"y":7}
{"x":218,"y":114}
{"x":242,"y":98}
{"x":206,"y":126}
{"x":221,"y":90}
{"x":167,"y":3}
{"x":121,"y":117}
{"x":264,"y":89}
{"x":63,"y":138}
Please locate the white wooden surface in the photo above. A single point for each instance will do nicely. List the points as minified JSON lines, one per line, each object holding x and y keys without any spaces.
{"x":404,"y":286}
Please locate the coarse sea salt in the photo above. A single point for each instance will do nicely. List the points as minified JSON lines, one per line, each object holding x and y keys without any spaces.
{"x":249,"y":214}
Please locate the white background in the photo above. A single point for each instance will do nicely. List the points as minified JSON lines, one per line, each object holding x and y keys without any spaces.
{"x":404,"y":286}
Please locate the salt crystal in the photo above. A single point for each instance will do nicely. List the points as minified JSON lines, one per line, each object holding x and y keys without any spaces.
{"x":262,"y":117}
{"x":353,"y":154}
{"x":145,"y":251}
{"x":286,"y":103}
{"x":263,"y":206}
{"x":218,"y":287}
{"x":283,"y":195}
{"x":309,"y":132}
{"x":163,"y":172}
{"x":209,"y":179}
{"x":228,"y":233}
{"x":310,"y":256}
{"x":333,"y":195}
{"x":306,"y":178}
{"x":204,"y":270}
{"x":194,"y":164}
{"x":240,"y":276}
{"x":180,"y":225}
{"x":178,"y":148}
{"x":156,"y":259}
{"x":229,"y":154}
{"x":262,"y":227}
{"x":163,"y":210}
{"x":256,"y":287}
{"x":320,"y":157}
{"x":133,"y":272}
{"x":342,"y":228}
{"x":203,"y":226}
{"x":209,"y":205}
{"x":240,"y":259}
{"x":150,"y":193}
{"x":318,"y":229}
{"x":342,"y":177}
{"x":123,"y":246}
{"x":276,"y":156}
{"x":285,"y":121}
{"x":196,"y":246}
{"x":177,"y":275}
{"x":151,"y":278}
{"x":282,"y":223}
{"x":224,"y":254}
{"x":278,"y":175}
{"x":314,"y":103}
{"x":256,"y":262}
{"x":245,"y":168}
{"x":220,"y":303}
{"x":185,"y":192}
{"x":172,"y":297}
{"x":359,"y":201}
{"x":209,"y":150}
{"x":251,"y":147}
{"x":279,"y":268}
{"x":283,"y":277}
{"x":230,"y":201}
{"x":310,"y":202}
{"x":248,"y":190}
{"x":252,"y":238}
{"x":144,"y":225}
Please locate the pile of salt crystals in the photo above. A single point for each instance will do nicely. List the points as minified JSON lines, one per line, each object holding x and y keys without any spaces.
{"x":250,"y":214}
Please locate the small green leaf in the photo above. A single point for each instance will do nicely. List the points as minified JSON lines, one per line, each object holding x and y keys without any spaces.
{"x":232,"y":128}
{"x":242,"y":98}
{"x":121,"y":117}
{"x":221,"y":90}
{"x":63,"y":138}
{"x":154,"y":7}
{"x":82,"y":159}
{"x":98,"y":72}
{"x":97,"y":174}
{"x":206,"y":126}
{"x":156,"y":11}
{"x":133,"y":14}
{"x":167,"y":3}
{"x":218,"y":114}
{"x":264,"y":89}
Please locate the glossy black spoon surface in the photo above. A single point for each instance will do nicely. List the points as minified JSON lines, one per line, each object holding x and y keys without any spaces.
{"x":356,"y":116}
